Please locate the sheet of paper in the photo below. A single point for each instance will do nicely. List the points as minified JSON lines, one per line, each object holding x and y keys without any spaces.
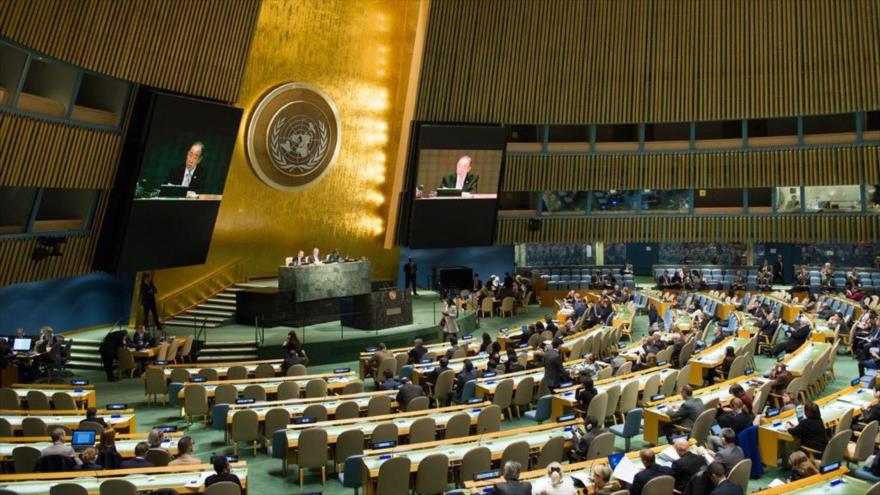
{"x":625,"y":471}
{"x":670,"y":453}
{"x":776,"y":482}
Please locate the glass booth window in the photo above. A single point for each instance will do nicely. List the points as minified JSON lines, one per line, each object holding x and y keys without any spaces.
{"x":718,"y":201}
{"x":873,"y":196}
{"x":564,"y":202}
{"x":613,"y":202}
{"x":663,"y":201}
{"x":833,"y":198}
{"x":18,"y":202}
{"x":788,"y":199}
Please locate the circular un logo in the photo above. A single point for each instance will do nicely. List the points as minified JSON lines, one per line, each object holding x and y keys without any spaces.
{"x":293,"y":136}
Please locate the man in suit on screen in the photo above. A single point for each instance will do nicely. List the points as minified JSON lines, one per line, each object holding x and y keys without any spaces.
{"x":462,"y":178}
{"x":191,"y":174}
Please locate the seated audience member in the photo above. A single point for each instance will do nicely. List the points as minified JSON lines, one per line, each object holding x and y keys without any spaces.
{"x":600,"y":477}
{"x":407,"y":392}
{"x":89,"y":459}
{"x":686,"y":413}
{"x":586,"y":394}
{"x":555,"y":483}
{"x":730,"y":453}
{"x":870,"y":413}
{"x":453,"y":346}
{"x":417,"y":352}
{"x":717,"y":336}
{"x":810,"y":430}
{"x":431,"y":378}
{"x":651,"y":471}
{"x":486,"y":342}
{"x":185,"y":448}
{"x":797,"y":335}
{"x":512,"y":365}
{"x":155,"y":439}
{"x":380,"y":355}
{"x":650,"y":361}
{"x":139,"y":461}
{"x":390,"y":383}
{"x":723,"y":486}
{"x":536,"y":361}
{"x":293,"y":357}
{"x":780,"y":378}
{"x":511,"y":484}
{"x":729,"y":356}
{"x":107,"y":454}
{"x":92,"y":416}
{"x":734,"y":417}
{"x":583,"y":439}
{"x":687,"y":465}
{"x":801,"y":466}
{"x":736,"y":390}
{"x":59,"y":448}
{"x":221,"y":467}
{"x":468,"y":372}
{"x":615,"y":360}
{"x":140,"y":339}
{"x":591,"y":367}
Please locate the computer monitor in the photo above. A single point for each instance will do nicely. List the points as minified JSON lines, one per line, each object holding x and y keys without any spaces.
{"x":82,"y":439}
{"x":21,"y":344}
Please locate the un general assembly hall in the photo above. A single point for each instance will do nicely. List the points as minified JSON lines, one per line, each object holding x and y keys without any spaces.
{"x":440,"y":247}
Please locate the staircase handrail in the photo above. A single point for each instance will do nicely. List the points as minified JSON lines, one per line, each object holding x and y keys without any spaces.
{"x":198,"y":291}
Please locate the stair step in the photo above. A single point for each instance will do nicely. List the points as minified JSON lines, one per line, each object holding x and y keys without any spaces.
{"x":229,"y":342}
{"x":226,"y":295}
{"x":217,"y":306}
{"x":84,"y":364}
{"x":77,"y":341}
{"x":188,"y":323}
{"x":227,"y":350}
{"x":234,"y":288}
{"x":210,"y":312}
{"x":187,"y":316}
{"x":236,"y":357}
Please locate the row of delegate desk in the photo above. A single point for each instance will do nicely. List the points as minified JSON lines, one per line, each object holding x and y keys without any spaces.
{"x":83,"y":395}
{"x":183,"y":479}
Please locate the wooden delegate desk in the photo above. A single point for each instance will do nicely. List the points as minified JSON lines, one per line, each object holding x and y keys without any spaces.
{"x":151,"y":352}
{"x":712,"y":357}
{"x":507,"y":337}
{"x":295,"y":407}
{"x":657,"y":413}
{"x":183,"y":479}
{"x":439,"y":349}
{"x":820,"y":484}
{"x":221,"y":368}
{"x":121,"y":421}
{"x":722,"y":308}
{"x":623,"y":315}
{"x":335,"y":383}
{"x":821,"y":332}
{"x":809,"y":352}
{"x":404,"y":421}
{"x":567,"y":397}
{"x":857,"y":307}
{"x":832,"y":408}
{"x":125,"y":444}
{"x":455,"y":448}
{"x":84,"y":396}
{"x":486,"y":386}
{"x":787,"y":311}
{"x":581,"y":470}
{"x":655,"y":299}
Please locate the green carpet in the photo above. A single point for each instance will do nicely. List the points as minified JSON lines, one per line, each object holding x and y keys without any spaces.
{"x":265,"y":473}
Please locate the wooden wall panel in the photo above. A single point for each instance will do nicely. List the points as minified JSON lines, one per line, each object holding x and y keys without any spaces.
{"x":603,"y":61}
{"x":38,"y":153}
{"x":197,"y":47}
{"x":811,"y":228}
{"x":728,"y":169}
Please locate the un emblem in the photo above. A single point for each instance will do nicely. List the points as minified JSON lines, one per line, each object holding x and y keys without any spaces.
{"x":293,"y":136}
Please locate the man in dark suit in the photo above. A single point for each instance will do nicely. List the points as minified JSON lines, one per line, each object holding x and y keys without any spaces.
{"x":723,"y":486}
{"x":687,"y":465}
{"x":462,"y":178}
{"x":221,"y":467}
{"x":190,"y":174}
{"x":687,"y":412}
{"x":511,"y":484}
{"x":409,"y":274}
{"x":417,"y":352}
{"x":140,"y":339}
{"x":798,"y":334}
{"x":148,"y":299}
{"x":651,"y":471}
{"x":140,"y":450}
{"x":553,"y":368}
{"x":407,"y":392}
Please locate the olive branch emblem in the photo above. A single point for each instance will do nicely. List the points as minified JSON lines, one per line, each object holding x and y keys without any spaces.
{"x":278,"y":154}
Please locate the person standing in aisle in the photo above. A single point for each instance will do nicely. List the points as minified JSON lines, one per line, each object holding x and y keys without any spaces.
{"x":409,"y":273}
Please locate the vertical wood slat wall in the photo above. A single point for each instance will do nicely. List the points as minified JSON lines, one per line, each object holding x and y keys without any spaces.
{"x":196,"y":47}
{"x":800,"y":229}
{"x":625,"y":61}
{"x":727,"y":169}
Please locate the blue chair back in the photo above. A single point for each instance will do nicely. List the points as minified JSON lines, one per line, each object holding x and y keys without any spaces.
{"x":352,"y":473}
{"x":406,"y":371}
{"x":633,"y":422}
{"x":667,"y":319}
{"x":468,"y":391}
{"x":218,"y":416}
{"x":173,"y":389}
{"x":542,"y":408}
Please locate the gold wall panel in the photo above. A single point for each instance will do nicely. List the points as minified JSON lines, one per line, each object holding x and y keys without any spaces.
{"x":579,"y":61}
{"x":726,"y":169}
{"x":358,"y":53}
{"x":196,"y":47}
{"x":38,"y":153}
{"x":801,"y":229}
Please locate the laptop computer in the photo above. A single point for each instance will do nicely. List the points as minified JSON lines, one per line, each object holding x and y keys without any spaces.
{"x":82,"y":439}
{"x":21,"y":344}
{"x":172,"y":191}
